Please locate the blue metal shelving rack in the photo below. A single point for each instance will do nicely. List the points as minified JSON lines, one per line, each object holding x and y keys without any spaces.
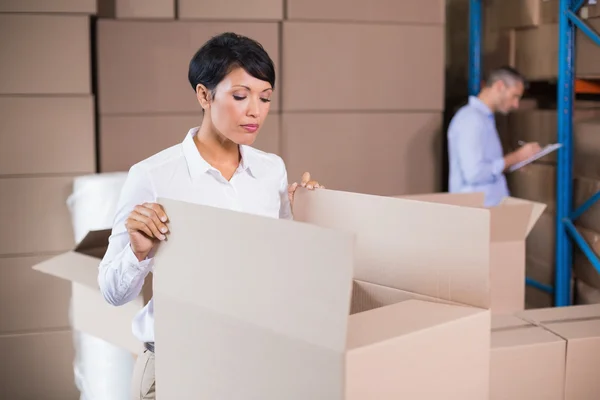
{"x":565,"y":215}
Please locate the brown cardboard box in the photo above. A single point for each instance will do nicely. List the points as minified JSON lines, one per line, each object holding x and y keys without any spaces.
{"x":527,"y":361}
{"x":405,"y":11}
{"x":49,"y":6}
{"x":318,"y":352}
{"x":583,"y":190}
{"x":541,"y":241}
{"x":587,"y":53}
{"x":536,"y":54}
{"x":38,"y":366}
{"x":126,"y":140}
{"x":585,"y":294}
{"x":542,"y":273}
{"x":580,"y":327}
{"x":90,"y":312}
{"x":499,"y":49}
{"x":513,"y":14}
{"x":263,"y":10}
{"x":587,"y":148}
{"x":127,"y":48}
{"x":376,"y":153}
{"x":58,"y":45}
{"x":535,"y":182}
{"x":373,"y":67}
{"x":590,"y":11}
{"x":582,"y":267}
{"x":29,"y":204}
{"x":539,"y":125}
{"x":134,"y":9}
{"x":511,"y":223}
{"x":31,"y":126}
{"x":43,"y":302}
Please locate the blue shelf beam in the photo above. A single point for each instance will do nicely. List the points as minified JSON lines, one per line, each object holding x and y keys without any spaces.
{"x":475,"y":35}
{"x":585,"y":206}
{"x":544,"y":288}
{"x":589,"y":32}
{"x":564,"y":187}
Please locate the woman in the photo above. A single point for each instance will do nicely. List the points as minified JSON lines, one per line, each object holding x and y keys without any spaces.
{"x":234,"y":79}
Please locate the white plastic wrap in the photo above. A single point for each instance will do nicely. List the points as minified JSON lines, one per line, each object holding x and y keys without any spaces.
{"x":103,"y":371}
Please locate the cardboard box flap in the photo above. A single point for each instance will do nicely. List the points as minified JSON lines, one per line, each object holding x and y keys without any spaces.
{"x":523,"y":336}
{"x":510,"y":222}
{"x":400,"y":319}
{"x":432,"y":249}
{"x":536,"y":212}
{"x":94,"y":242}
{"x":500,"y":322}
{"x":283,"y":277}
{"x":457,"y":199}
{"x":576,"y":329}
{"x":561,"y":314}
{"x":72,"y":266}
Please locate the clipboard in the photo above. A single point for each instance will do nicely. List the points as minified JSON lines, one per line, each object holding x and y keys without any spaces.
{"x":545,"y":151}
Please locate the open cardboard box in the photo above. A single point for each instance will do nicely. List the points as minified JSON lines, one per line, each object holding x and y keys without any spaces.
{"x":579,"y":326}
{"x":527,"y":361}
{"x":511,"y":223}
{"x":259,"y":308}
{"x":90,"y":312}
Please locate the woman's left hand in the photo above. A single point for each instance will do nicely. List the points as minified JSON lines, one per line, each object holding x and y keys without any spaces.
{"x":305,"y":182}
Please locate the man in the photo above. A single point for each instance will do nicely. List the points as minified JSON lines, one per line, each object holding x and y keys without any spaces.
{"x":477,"y":162}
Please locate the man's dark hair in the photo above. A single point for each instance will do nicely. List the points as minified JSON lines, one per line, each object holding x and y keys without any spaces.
{"x":225,"y":52}
{"x":506,"y":74}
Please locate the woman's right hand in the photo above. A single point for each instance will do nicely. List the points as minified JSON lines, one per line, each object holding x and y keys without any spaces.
{"x":146,"y":226}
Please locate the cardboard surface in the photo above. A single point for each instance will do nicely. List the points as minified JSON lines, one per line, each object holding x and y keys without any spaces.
{"x":384,"y":153}
{"x":535,"y":182}
{"x":43,"y":302}
{"x":128,"y":139}
{"x":514,"y":14}
{"x":394,"y":236}
{"x":527,"y":361}
{"x":31,"y":125}
{"x":62,"y":41}
{"x":541,"y":241}
{"x":134,"y":9}
{"x":405,"y":11}
{"x":90,"y":312}
{"x":537,"y":52}
{"x":276,"y":308}
{"x":126,"y":48}
{"x":309,"y":58}
{"x":580,"y":327}
{"x":587,"y":147}
{"x":38,"y":366}
{"x":263,"y":10}
{"x":587,"y":55}
{"x":511,"y":223}
{"x":28,"y":204}
{"x":49,"y":6}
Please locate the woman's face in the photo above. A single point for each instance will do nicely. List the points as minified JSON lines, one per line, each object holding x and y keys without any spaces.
{"x":239,"y":106}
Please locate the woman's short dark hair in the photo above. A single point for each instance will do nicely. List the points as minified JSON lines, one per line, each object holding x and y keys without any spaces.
{"x":225,"y":52}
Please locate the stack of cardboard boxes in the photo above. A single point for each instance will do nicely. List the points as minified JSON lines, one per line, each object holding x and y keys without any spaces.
{"x":364,"y":302}
{"x":146,"y":103}
{"x":46,"y":138}
{"x":357,"y":103}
